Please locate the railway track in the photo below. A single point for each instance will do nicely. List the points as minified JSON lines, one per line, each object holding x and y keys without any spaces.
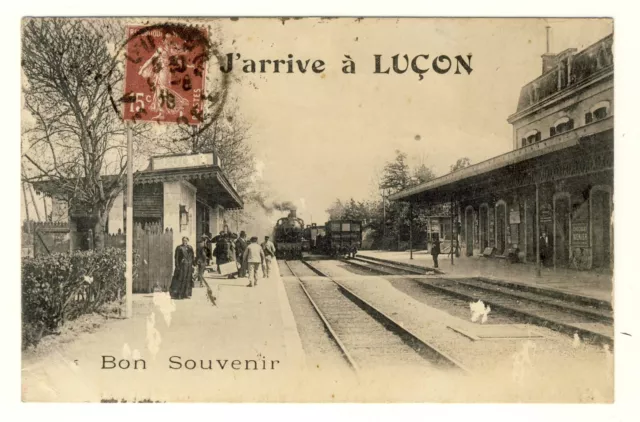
{"x":592,"y":320}
{"x":366,"y":337}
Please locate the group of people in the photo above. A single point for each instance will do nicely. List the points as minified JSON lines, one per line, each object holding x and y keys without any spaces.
{"x":248,"y":256}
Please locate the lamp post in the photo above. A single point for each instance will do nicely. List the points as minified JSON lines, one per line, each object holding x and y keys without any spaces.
{"x":384,"y":214}
{"x":451,"y":247}
{"x":538,"y":274}
{"x":129,"y":227}
{"x":410,"y":230}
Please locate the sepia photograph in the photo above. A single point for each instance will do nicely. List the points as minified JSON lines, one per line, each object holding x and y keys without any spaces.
{"x":317,"y":210}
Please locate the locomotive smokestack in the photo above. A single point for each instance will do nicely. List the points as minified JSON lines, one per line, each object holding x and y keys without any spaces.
{"x":292,"y":213}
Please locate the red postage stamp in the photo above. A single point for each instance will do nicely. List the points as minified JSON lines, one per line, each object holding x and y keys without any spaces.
{"x":164,"y":75}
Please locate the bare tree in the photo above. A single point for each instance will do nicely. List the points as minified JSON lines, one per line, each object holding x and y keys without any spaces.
{"x":227,"y":136}
{"x":72,"y":75}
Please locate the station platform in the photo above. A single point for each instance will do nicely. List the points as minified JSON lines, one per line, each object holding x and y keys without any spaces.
{"x":253,"y":324}
{"x":589,"y":284}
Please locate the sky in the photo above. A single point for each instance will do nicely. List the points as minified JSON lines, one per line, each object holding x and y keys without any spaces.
{"x":319,"y":137}
{"x":322,"y":137}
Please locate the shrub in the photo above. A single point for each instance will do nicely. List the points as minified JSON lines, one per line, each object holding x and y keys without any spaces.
{"x":62,"y":286}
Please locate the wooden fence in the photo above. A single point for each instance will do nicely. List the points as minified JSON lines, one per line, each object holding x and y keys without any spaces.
{"x":152,"y":248}
{"x":153,"y":255}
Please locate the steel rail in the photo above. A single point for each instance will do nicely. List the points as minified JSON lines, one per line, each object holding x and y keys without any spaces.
{"x":420,"y":346}
{"x":327,"y":325}
{"x":516,"y":312}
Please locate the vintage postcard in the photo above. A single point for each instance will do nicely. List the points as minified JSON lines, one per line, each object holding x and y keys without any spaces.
{"x":317,"y":210}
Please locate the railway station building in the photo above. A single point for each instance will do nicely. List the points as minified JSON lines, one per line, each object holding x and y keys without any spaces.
{"x":557,"y":179}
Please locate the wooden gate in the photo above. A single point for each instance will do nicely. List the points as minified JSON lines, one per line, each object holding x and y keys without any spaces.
{"x":153,"y":256}
{"x":154,"y":249}
{"x":48,"y":237}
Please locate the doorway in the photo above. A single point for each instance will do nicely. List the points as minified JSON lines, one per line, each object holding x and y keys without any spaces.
{"x":468,"y":229}
{"x":562,"y":222}
{"x":484,"y":227}
{"x":601,"y":228}
{"x":501,"y":229}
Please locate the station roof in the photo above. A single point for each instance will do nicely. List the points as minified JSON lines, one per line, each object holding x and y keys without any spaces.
{"x":450,"y":182}
{"x":201,"y":170}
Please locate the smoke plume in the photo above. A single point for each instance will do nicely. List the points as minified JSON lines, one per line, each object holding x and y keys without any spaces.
{"x":269,"y":207}
{"x":284,"y":206}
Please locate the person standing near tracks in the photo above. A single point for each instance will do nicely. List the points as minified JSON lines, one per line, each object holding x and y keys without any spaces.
{"x":182,"y":280}
{"x":253,"y":257}
{"x":241,"y":246}
{"x":202,"y":257}
{"x":223,"y":251}
{"x":269,"y":252}
{"x":232,"y":250}
{"x":435,"y":251}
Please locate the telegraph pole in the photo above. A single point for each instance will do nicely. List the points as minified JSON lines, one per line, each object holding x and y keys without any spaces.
{"x":129,"y":228}
{"x":410,"y":230}
{"x":384,"y":216}
{"x":451,"y":241}
{"x":537,"y":220}
{"x":548,"y":28}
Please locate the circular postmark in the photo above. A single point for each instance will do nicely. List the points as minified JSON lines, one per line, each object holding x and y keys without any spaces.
{"x":165,"y":76}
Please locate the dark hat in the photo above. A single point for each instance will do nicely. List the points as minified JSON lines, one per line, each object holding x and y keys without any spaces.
{"x":254,"y":239}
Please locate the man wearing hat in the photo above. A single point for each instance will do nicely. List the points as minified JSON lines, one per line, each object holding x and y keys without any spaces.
{"x":241,"y":245}
{"x":270,"y":253}
{"x":254,"y":257}
{"x":202,"y":258}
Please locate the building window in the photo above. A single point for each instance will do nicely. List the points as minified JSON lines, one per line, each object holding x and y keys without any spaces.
{"x":597,"y":112}
{"x":184,"y":218}
{"x":561,"y":125}
{"x":531,"y":137}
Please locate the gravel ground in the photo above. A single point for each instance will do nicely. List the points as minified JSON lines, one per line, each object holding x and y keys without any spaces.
{"x":456,"y":307}
{"x":554,"y":368}
{"x":378,"y":352}
{"x":320,"y":350}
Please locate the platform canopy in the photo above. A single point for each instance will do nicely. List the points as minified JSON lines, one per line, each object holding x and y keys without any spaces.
{"x":550,"y":159}
{"x":204,"y":171}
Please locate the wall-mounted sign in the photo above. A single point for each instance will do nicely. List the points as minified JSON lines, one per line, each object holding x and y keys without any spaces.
{"x":546,"y":213}
{"x":580,"y":234}
{"x":514,"y":215}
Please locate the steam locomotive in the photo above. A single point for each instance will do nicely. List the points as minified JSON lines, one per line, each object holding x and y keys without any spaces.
{"x":335,"y":238}
{"x":288,"y":237}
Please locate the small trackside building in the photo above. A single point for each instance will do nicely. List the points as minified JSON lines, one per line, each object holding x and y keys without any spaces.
{"x":187,"y":193}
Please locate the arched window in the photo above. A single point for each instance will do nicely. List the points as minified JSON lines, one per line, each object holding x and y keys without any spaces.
{"x":531,"y":137}
{"x":563,"y":124}
{"x":597,"y":112}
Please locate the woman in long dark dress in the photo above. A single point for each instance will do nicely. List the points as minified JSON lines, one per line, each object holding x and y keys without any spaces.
{"x":181,"y":284}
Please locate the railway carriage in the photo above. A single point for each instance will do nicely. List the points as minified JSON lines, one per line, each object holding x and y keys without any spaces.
{"x":342,"y":238}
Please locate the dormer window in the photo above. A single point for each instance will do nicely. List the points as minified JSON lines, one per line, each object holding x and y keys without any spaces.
{"x":598,"y":112}
{"x":561,"y":125}
{"x":531,"y":137}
